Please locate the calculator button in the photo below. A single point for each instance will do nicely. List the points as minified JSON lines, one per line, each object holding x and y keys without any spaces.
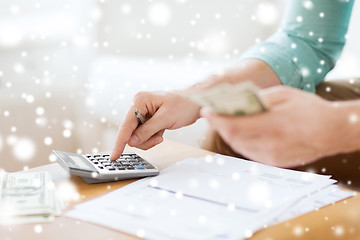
{"x":121,"y":168}
{"x":106,"y":155}
{"x":101,"y":167}
{"x":96,"y":156}
{"x":130,"y":168}
{"x":139,"y":166}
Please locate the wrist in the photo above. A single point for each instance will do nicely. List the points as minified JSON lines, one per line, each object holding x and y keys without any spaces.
{"x":191,"y":107}
{"x":348,"y":114}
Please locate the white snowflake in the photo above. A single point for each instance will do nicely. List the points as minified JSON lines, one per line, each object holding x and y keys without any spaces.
{"x":214,"y":184}
{"x":24,"y":149}
{"x":202,"y":219}
{"x":52,"y":158}
{"x":338,"y":230}
{"x":38,"y":228}
{"x":305,"y":72}
{"x":126,"y":8}
{"x":67,"y":133}
{"x":29,"y":98}
{"x":41,"y":121}
{"x":193,"y":183}
{"x":248,"y":233}
{"x":159,"y":14}
{"x":236,"y":176}
{"x":10,"y":35}
{"x":259,"y":193}
{"x":68,"y":124}
{"x":173,"y":212}
{"x":231,"y":207}
{"x":140,"y":233}
{"x":48,"y":141}
{"x":308,"y":4}
{"x":298,"y":230}
{"x":40,"y":111}
{"x":68,"y":191}
{"x":353,"y":118}
{"x":267,"y":13}
{"x":96,"y":14}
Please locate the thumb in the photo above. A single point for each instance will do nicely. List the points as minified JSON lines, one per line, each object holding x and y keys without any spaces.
{"x":277,"y":95}
{"x":215,"y":119}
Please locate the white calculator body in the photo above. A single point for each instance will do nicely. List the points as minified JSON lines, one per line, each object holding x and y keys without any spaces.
{"x":97,"y":168}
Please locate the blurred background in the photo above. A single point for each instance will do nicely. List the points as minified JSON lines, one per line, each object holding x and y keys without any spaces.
{"x":69,"y":69}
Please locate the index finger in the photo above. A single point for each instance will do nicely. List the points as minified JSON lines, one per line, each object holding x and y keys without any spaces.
{"x":125,"y":131}
{"x":241,"y":126}
{"x":278,"y":94}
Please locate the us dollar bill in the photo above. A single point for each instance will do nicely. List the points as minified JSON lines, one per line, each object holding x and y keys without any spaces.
{"x":240,"y":99}
{"x":28,"y":197}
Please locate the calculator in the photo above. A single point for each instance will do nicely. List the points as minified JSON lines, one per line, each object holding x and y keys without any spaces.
{"x":97,"y":168}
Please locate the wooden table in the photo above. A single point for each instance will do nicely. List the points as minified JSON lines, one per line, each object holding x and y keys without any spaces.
{"x":337,"y":221}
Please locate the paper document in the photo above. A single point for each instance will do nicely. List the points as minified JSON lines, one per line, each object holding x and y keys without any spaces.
{"x":210,"y":198}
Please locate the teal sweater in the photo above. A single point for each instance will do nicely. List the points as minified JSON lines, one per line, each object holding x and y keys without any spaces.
{"x":308,"y":43}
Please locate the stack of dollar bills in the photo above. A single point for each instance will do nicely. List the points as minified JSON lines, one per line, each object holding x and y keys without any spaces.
{"x":239,"y":99}
{"x":28,"y":198}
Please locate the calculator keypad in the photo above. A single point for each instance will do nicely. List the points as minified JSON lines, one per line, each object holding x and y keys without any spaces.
{"x":127,"y":161}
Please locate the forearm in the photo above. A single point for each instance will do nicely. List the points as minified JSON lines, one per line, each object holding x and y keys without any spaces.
{"x":253,"y":70}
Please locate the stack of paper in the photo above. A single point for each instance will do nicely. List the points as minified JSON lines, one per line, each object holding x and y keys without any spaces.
{"x":210,"y":198}
{"x":28,"y":197}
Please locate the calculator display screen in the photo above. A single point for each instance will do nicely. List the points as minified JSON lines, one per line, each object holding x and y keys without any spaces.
{"x":79,"y":163}
{"x":75,"y":161}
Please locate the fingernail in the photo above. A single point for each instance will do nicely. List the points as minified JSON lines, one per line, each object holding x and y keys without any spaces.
{"x":205,"y":112}
{"x":158,"y":140}
{"x":134,"y":140}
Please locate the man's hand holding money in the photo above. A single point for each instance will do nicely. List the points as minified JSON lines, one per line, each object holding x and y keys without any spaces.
{"x":298,"y":128}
